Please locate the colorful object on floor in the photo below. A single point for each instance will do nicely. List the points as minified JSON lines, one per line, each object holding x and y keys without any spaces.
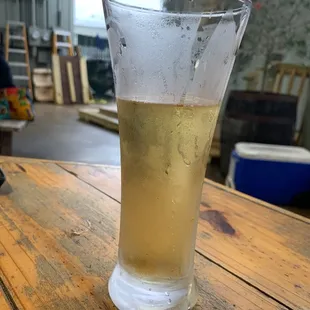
{"x":16,"y":104}
{"x":274,"y":173}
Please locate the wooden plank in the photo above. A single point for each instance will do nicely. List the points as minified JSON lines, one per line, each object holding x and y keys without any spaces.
{"x":54,"y":44}
{"x":57,"y":79}
{"x":256,"y":201}
{"x":266,"y":248}
{"x":109,"y":110}
{"x":69,"y":40}
{"x":94,"y":116}
{"x":76,"y":268}
{"x":84,"y":80}
{"x":71,"y":82}
{"x":8,"y":293}
{"x":3,"y":304}
{"x":27,"y":59}
{"x":260,"y":243}
{"x":106,"y":179}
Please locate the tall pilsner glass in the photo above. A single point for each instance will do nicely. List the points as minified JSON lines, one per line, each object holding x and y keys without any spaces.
{"x":171,"y":61}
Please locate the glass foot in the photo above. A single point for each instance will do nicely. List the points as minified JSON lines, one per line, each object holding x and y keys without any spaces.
{"x":128,"y":292}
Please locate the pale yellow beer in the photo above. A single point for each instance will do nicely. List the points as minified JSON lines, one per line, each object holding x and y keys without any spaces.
{"x":164,"y":151}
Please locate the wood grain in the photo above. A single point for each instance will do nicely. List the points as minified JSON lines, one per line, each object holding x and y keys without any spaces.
{"x":3,"y":304}
{"x":57,"y":78}
{"x":264,"y":245}
{"x":49,"y":266}
{"x":84,"y":80}
{"x":71,"y":82}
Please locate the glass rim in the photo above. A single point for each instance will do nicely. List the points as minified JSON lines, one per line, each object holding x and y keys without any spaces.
{"x":244,"y":5}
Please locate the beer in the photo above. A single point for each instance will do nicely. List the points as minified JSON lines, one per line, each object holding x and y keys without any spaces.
{"x":164,"y":151}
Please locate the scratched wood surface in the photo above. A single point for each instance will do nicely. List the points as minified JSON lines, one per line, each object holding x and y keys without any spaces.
{"x":264,"y":245}
{"x":59,"y":231}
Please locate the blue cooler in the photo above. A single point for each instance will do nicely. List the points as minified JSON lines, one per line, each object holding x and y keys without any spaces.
{"x":273,"y":173}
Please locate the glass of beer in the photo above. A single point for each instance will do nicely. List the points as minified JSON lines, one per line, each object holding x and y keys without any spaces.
{"x":171,"y":60}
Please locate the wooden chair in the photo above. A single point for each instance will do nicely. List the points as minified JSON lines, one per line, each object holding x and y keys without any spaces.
{"x":295,"y":72}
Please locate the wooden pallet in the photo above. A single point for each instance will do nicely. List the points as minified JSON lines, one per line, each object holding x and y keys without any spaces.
{"x":109,"y":110}
{"x":97,"y":116}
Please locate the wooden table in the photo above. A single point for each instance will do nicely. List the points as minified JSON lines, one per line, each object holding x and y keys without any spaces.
{"x":59,"y":232}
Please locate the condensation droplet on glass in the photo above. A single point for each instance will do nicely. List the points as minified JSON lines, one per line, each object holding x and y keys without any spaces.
{"x":197,"y":64}
{"x":167,"y":294}
{"x":169,"y":301}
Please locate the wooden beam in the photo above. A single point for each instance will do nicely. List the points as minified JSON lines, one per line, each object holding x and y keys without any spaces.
{"x":7,"y":41}
{"x":84,"y":80}
{"x":71,"y":82}
{"x":57,"y":80}
{"x":27,"y":60}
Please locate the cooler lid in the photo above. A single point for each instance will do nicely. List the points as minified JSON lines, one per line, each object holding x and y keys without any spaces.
{"x":271,"y":152}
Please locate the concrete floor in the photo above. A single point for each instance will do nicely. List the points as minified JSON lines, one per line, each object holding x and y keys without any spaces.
{"x":57,"y":134}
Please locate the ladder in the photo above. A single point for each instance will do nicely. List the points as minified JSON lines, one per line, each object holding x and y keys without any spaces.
{"x":66,"y":44}
{"x":16,"y":32}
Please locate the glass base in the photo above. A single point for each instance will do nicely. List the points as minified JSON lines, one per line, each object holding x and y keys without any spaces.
{"x":128,"y":292}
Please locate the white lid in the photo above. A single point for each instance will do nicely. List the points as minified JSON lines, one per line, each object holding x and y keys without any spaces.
{"x":273,"y":152}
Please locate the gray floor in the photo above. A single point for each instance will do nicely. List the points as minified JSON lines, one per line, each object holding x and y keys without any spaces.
{"x":57,"y":134}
